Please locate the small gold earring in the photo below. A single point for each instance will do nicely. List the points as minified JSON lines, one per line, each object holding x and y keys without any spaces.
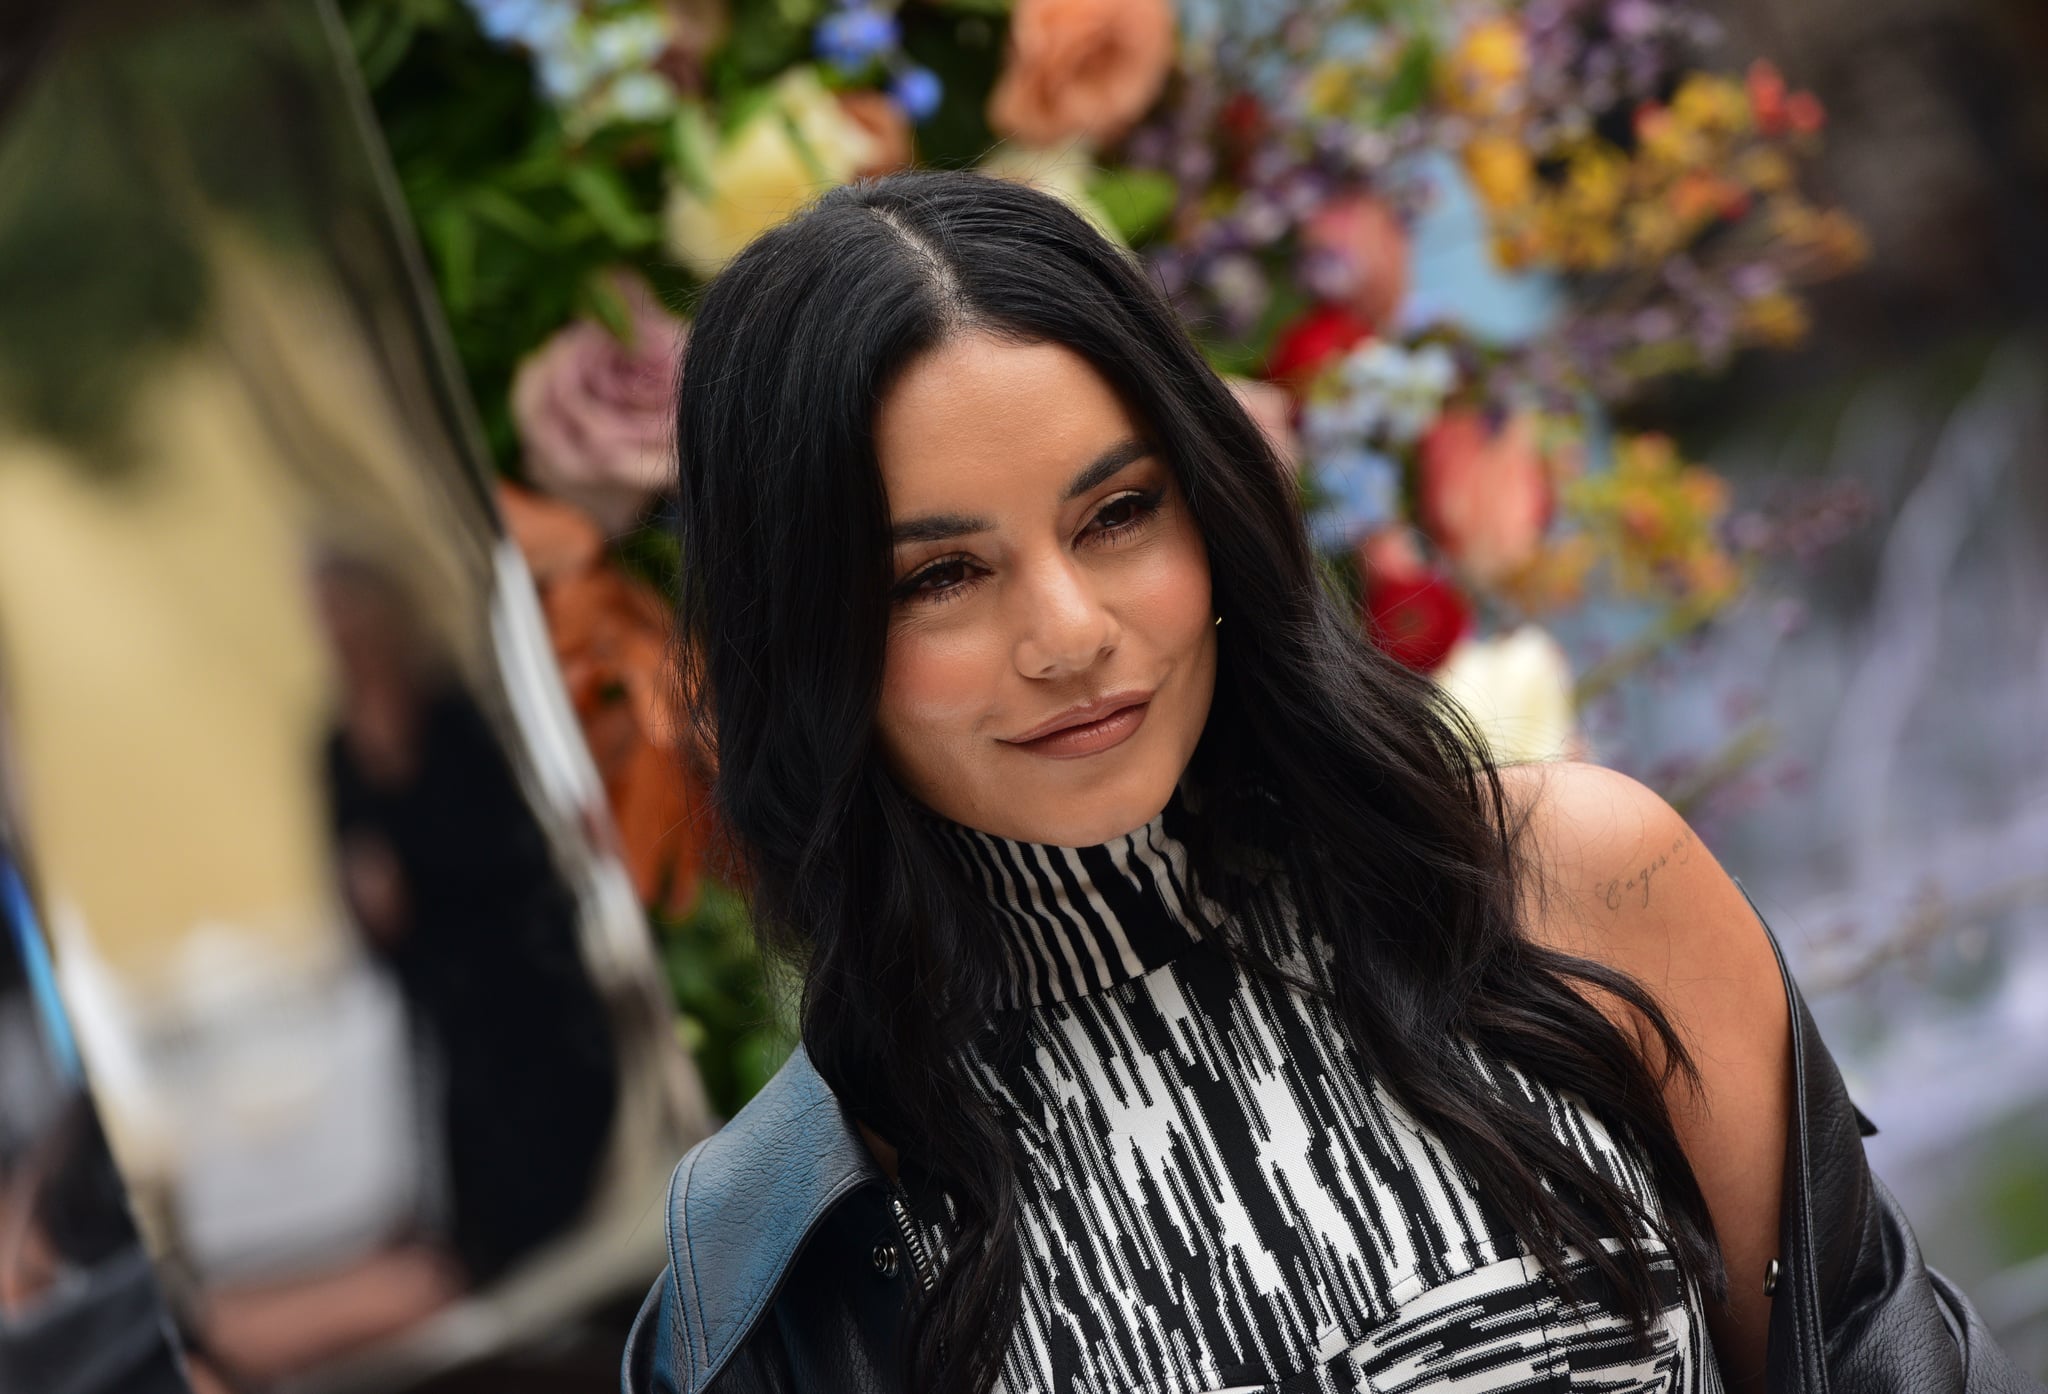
{"x":1219,"y":619}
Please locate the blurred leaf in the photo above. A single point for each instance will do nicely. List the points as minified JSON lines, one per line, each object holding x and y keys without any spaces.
{"x":2014,"y":1187}
{"x":737,"y":1001}
{"x":1245,"y":355}
{"x":744,"y":107}
{"x":974,"y":7}
{"x":1410,"y":85}
{"x":453,"y":238}
{"x":380,"y":35}
{"x":1137,"y":201}
{"x":507,"y":214}
{"x":758,"y":1056}
{"x":603,"y":193}
{"x":766,"y":37}
{"x":692,"y":142}
{"x":964,"y":50}
{"x":607,"y":305}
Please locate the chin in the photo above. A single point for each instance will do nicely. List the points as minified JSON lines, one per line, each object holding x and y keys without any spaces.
{"x":1103,"y":807}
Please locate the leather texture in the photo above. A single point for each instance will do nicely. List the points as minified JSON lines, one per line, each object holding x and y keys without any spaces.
{"x":774,"y":1221}
{"x":771,"y":1285}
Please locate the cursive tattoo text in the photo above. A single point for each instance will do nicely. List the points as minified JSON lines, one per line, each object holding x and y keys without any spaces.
{"x":1638,"y":881}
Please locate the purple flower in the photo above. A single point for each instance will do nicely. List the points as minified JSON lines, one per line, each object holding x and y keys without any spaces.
{"x":917,"y":91}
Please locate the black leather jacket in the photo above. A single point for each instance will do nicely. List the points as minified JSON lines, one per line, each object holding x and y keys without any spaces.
{"x":789,"y":1272}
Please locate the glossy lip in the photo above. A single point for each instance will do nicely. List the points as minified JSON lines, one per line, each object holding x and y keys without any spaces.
{"x":1092,"y":738}
{"x":1083,"y":715}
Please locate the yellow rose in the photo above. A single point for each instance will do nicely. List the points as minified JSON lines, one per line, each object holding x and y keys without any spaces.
{"x":1486,"y":67}
{"x":1062,"y":171}
{"x":1778,"y":319}
{"x":1517,"y":688}
{"x":1713,"y":105}
{"x":1596,"y":181}
{"x":1501,"y":172}
{"x":800,"y":143}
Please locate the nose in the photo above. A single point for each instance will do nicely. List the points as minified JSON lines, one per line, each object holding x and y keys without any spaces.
{"x":1063,"y":625}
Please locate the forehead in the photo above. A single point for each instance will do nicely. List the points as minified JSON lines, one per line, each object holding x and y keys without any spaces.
{"x":978,"y":414}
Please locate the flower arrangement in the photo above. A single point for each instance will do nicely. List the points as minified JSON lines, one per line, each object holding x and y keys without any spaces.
{"x":1436,"y":249}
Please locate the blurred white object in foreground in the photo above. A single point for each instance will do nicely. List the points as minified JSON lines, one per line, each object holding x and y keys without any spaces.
{"x":1518,"y":689}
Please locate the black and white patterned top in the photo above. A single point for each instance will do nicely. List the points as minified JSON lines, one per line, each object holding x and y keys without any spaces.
{"x":1216,"y":1197}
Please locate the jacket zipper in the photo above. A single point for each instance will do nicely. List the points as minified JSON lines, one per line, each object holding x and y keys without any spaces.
{"x":913,"y":1243}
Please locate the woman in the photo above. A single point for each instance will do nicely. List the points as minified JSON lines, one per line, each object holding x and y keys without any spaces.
{"x":1190,"y":1005}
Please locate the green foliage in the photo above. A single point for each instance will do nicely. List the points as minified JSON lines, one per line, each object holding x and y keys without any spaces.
{"x":517,"y":217}
{"x":1244,"y":355}
{"x":2014,"y":1187}
{"x":766,"y":37}
{"x":1411,"y":82}
{"x":1137,"y":201}
{"x":519,"y":220}
{"x":736,"y":1011}
{"x":965,"y":50}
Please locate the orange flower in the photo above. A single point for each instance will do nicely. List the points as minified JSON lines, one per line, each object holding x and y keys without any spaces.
{"x":1085,"y":68}
{"x":1485,"y":493}
{"x":882,"y":117}
{"x":611,"y":640}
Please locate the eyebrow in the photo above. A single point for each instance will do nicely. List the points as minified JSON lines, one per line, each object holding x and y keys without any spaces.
{"x":938,"y":527}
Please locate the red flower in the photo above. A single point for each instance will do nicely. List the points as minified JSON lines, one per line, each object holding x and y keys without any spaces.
{"x":1777,"y":108}
{"x":1767,"y":96}
{"x":1417,"y":618}
{"x":1243,"y":118}
{"x":1242,"y":127}
{"x":1804,"y":113}
{"x":1312,"y":339}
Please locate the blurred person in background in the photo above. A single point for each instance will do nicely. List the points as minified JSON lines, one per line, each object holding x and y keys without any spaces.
{"x":449,"y":876}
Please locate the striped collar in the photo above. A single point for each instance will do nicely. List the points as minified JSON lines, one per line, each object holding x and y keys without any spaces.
{"x":1081,"y":919}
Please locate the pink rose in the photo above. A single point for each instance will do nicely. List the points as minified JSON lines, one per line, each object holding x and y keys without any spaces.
{"x":1081,"y":68}
{"x":1358,"y":256}
{"x":1271,"y":409}
{"x":595,"y":414}
{"x":1485,"y":494}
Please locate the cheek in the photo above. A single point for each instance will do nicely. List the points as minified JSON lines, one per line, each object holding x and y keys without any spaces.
{"x":934,"y":686}
{"x":1169,"y":600}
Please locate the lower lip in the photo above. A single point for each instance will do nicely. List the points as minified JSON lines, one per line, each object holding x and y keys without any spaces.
{"x":1092,"y":739}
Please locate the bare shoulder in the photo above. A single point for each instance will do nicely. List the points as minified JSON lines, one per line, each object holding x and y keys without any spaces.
{"x":1627,"y":882}
{"x":1624,"y":879}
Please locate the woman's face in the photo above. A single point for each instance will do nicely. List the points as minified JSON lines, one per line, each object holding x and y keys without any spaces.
{"x":1048,"y":573}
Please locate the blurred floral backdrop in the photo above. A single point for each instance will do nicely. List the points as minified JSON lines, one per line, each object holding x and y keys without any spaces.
{"x":1448,"y":255}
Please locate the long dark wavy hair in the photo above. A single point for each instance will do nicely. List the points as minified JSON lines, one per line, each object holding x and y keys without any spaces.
{"x":1400,"y":841}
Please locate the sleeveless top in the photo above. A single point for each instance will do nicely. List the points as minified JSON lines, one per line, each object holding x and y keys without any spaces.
{"x":1217,"y":1199}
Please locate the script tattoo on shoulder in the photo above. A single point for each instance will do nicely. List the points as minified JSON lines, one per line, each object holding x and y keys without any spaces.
{"x":1635,"y":887}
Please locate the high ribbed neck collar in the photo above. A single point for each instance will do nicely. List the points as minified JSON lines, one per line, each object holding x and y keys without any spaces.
{"x":1077,"y":920}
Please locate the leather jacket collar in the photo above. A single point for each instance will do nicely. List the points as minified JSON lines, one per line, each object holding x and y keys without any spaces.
{"x":784,"y":1272}
{"x":743,"y":1204}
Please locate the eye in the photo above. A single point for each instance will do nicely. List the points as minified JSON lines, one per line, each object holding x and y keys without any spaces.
{"x":940,"y":581}
{"x":1128,"y":512}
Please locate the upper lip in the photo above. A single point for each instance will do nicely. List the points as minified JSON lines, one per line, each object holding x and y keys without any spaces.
{"x":1084,"y":713}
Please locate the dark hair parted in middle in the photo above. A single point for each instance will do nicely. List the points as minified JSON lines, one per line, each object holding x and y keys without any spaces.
{"x":1394,"y":827}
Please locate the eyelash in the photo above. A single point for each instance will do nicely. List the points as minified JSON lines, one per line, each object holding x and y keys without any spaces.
{"x":1145,"y":501}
